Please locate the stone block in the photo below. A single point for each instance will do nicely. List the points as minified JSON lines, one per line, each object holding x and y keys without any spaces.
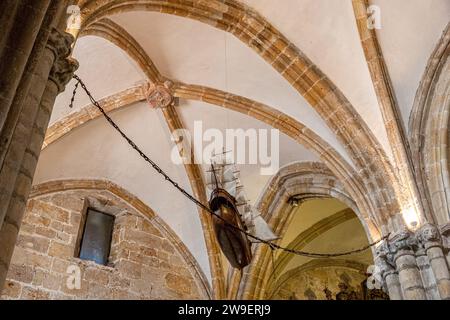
{"x":178,"y":283}
{"x":129,"y":269}
{"x":93,"y":274}
{"x":31,"y":293}
{"x":53,"y":281}
{"x":11,"y":290}
{"x":34,"y":243}
{"x":21,"y":273}
{"x":43,"y":231}
{"x":60,"y":250}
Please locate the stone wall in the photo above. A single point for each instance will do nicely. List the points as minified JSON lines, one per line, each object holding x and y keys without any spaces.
{"x":144,"y":263}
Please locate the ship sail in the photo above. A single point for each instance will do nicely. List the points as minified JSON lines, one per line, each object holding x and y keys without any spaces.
{"x":224,"y":174}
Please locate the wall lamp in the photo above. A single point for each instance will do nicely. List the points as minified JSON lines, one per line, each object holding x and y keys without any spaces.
{"x":295,"y":201}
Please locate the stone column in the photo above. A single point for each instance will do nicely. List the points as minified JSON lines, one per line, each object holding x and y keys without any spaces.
{"x":26,"y":26}
{"x":403,"y":246}
{"x":21,"y":22}
{"x":18,"y":121}
{"x":62,"y":69}
{"x":428,"y":279}
{"x":429,"y":236}
{"x":385,"y":264}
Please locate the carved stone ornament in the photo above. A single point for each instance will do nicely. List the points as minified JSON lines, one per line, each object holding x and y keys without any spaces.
{"x":384,"y":266}
{"x":384,"y":256}
{"x":445,"y":232}
{"x":60,"y":43}
{"x":62,"y":72}
{"x":429,"y":233}
{"x":159,"y":95}
{"x":404,"y":240}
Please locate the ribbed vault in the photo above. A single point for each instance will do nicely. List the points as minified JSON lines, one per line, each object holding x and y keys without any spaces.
{"x":377,"y":188}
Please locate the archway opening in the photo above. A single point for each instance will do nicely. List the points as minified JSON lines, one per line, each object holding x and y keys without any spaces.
{"x":322,"y":225}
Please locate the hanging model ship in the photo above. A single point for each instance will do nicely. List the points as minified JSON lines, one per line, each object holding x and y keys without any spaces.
{"x":229,"y":201}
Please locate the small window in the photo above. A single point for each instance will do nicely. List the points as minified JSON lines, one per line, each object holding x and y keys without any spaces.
{"x":97,"y":235}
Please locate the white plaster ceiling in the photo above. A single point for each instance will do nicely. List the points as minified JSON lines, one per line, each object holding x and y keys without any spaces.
{"x":193,"y":52}
{"x":410,"y":32}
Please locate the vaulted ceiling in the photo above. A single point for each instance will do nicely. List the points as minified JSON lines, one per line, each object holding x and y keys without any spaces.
{"x":194,"y":53}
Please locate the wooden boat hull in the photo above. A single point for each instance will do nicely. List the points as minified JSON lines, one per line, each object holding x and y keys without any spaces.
{"x":234,"y":243}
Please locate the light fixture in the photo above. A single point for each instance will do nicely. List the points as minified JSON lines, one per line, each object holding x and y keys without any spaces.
{"x":294,"y":202}
{"x":411,"y":218}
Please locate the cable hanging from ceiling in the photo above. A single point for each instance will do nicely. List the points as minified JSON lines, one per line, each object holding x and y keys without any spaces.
{"x":272,"y":245}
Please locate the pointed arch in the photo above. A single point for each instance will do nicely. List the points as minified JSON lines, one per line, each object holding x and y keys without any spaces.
{"x":305,"y":180}
{"x":429,"y":132}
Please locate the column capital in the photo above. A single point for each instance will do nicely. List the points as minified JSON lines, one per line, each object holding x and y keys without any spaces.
{"x":404,"y":240}
{"x":385,"y":266}
{"x":445,"y":233}
{"x":445,"y":230}
{"x":429,"y":236}
{"x":60,"y":43}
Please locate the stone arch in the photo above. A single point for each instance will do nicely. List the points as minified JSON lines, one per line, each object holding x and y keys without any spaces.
{"x":89,"y":185}
{"x":305,"y":180}
{"x":312,"y":180}
{"x":306,"y":237}
{"x":429,"y":133}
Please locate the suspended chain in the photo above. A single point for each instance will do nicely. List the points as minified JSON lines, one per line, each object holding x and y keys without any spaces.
{"x":271,"y":244}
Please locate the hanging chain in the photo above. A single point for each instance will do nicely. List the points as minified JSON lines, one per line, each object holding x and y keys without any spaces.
{"x":271,"y":244}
